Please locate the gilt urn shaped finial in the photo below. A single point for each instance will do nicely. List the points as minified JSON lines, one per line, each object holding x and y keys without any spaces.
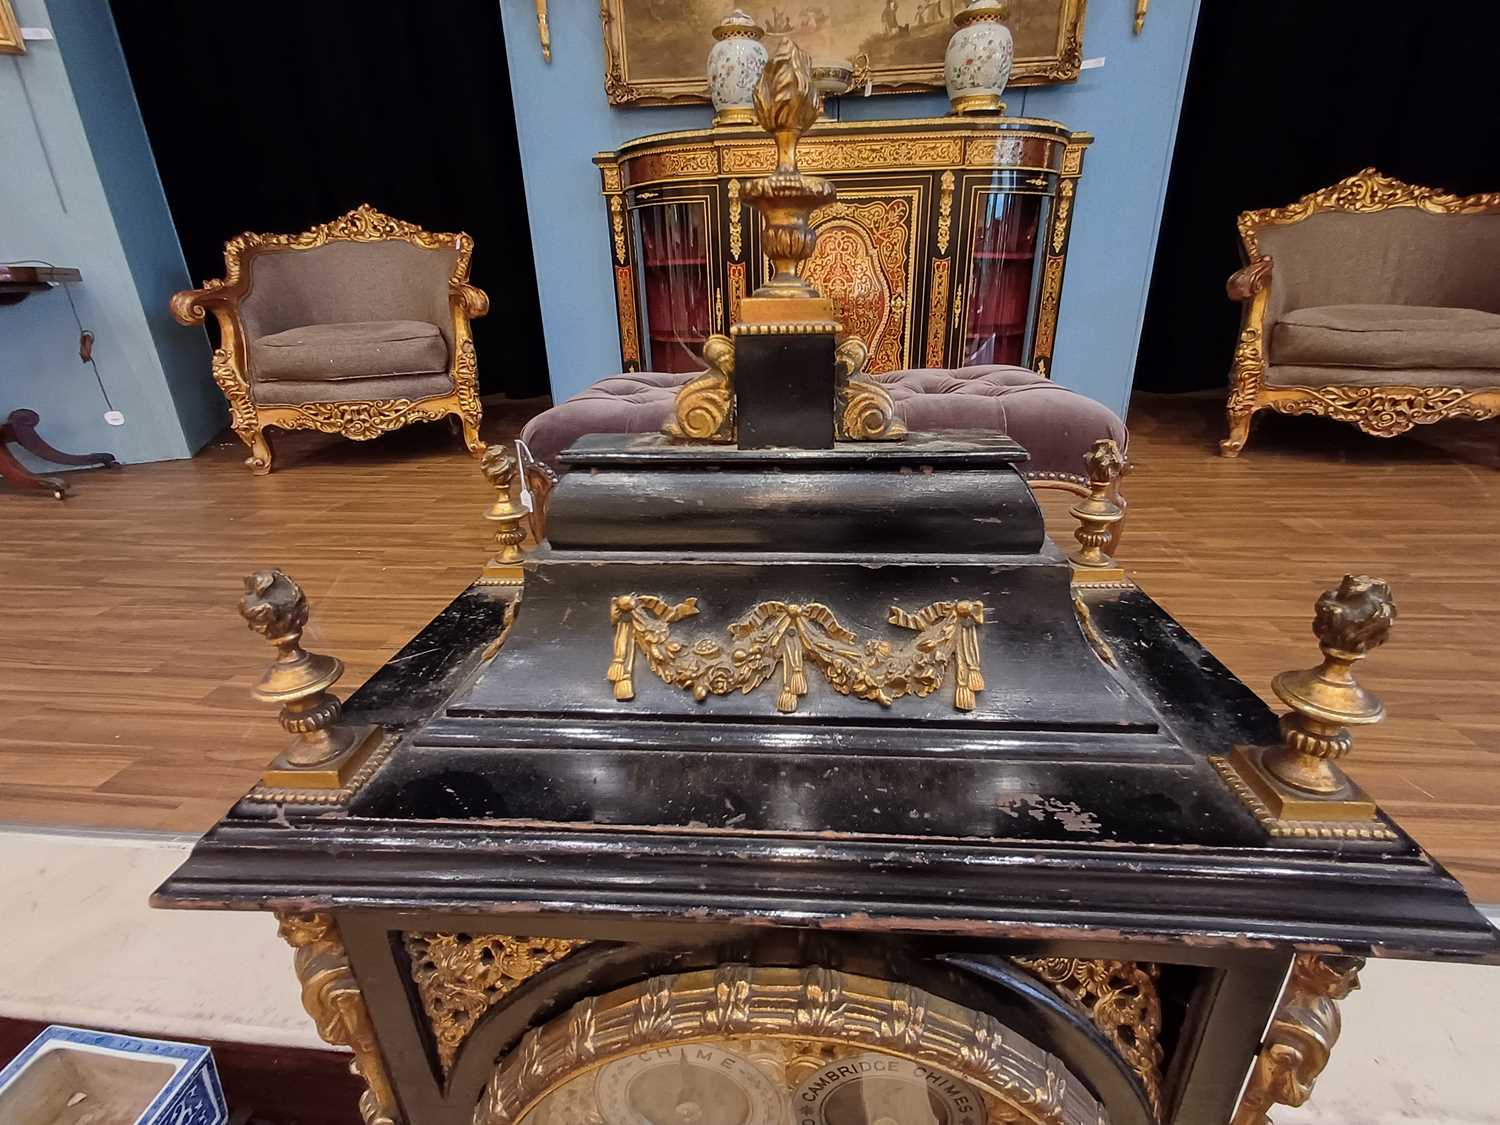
{"x":508,"y":512}
{"x":1098,"y":513}
{"x":1350,"y":621}
{"x":274,"y":606}
{"x":787,"y":104}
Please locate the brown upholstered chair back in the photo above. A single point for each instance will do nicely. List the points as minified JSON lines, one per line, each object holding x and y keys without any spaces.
{"x":345,"y":281}
{"x":1400,"y":256}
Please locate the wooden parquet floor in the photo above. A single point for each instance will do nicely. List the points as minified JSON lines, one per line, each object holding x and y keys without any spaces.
{"x":125,"y":669}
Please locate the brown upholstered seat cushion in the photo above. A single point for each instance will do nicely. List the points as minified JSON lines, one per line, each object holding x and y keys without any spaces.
{"x":366,"y":349}
{"x":1387,"y":336}
{"x":295,"y":392}
{"x":1056,"y":425}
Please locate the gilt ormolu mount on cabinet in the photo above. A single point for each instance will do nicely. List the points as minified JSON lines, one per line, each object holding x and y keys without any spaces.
{"x":805,"y":780}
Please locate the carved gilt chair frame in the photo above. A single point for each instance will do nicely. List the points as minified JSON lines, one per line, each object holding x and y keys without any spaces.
{"x":357,"y":419}
{"x":1385,"y":410}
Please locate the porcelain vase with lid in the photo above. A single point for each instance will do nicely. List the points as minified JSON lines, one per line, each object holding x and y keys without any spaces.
{"x":734,"y":65}
{"x":977,"y":64}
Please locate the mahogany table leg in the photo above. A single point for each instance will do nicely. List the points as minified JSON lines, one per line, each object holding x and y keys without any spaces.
{"x":17,"y":473}
{"x":20,"y":427}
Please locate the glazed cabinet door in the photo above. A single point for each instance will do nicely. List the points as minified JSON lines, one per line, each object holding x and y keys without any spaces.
{"x":872,"y":247}
{"x":999,"y":277}
{"x":675,"y":234}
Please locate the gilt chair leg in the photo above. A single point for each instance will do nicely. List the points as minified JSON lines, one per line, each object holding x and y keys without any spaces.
{"x":259,"y":460}
{"x":1239,"y":432}
{"x":471,"y":435}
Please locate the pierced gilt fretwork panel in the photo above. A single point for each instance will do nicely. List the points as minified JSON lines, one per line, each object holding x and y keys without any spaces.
{"x":1121,"y":999}
{"x":459,"y":977}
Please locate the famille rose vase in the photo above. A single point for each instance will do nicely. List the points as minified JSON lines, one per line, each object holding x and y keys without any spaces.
{"x":734,"y":65}
{"x":977,"y":65}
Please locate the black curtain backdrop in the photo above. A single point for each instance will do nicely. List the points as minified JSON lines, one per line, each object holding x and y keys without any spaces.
{"x":1287,"y":96}
{"x":271,"y":116}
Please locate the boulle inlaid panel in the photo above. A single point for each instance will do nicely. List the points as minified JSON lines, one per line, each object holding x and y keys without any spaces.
{"x":867,"y":244}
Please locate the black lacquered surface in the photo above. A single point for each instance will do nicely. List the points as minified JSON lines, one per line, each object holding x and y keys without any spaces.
{"x":1039,"y":670}
{"x":1076,"y":801}
{"x":784,"y":391}
{"x":749,"y":509}
{"x":956,"y":447}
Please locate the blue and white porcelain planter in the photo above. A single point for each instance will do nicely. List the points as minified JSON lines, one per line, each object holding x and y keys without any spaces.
{"x":189,"y":1092}
{"x":978,"y":60}
{"x":734,"y":65}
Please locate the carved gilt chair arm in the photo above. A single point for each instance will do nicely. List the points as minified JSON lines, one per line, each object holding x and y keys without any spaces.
{"x":191,"y":306}
{"x":1249,"y":280}
{"x":474,"y":301}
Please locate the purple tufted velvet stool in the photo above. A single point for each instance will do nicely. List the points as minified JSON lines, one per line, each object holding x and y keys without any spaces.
{"x":1056,"y":425}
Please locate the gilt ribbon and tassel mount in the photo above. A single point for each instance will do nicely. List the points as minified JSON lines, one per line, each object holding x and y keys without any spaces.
{"x":790,"y":637}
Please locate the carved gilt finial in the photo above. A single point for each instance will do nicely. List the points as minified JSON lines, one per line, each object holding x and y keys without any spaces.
{"x":1296,"y":788}
{"x":786,"y":105}
{"x":1098,"y":513}
{"x":275,"y":607}
{"x":501,"y":469}
{"x":1349,"y":622}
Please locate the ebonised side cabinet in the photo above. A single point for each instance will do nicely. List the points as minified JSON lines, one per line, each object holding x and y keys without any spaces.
{"x":946,"y":246}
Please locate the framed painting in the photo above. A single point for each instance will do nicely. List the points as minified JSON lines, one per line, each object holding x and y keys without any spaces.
{"x":11,"y":42}
{"x":655,"y":51}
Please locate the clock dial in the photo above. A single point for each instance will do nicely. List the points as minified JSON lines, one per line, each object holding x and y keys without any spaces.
{"x":773,"y":1045}
{"x":875,"y":1089}
{"x":688,"y":1084}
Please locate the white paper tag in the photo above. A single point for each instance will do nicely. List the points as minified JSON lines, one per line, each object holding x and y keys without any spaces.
{"x":523,"y":455}
{"x":1091,"y":64}
{"x":36,"y":33}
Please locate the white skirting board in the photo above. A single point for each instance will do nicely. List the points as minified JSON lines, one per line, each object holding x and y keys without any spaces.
{"x":83,"y":948}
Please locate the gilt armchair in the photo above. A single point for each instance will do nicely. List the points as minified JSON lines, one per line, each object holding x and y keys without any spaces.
{"x":1372,"y":301}
{"x":356,"y":327}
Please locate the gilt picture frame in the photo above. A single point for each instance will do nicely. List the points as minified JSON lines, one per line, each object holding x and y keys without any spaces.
{"x":655,"y":50}
{"x":11,"y":42}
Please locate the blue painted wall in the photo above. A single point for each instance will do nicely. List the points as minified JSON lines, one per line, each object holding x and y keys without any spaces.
{"x":78,"y":187}
{"x":1131,"y":104}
